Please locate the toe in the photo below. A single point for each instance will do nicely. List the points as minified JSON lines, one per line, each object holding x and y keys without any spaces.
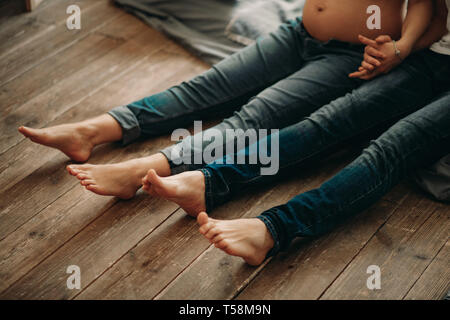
{"x":28,"y":132}
{"x":202,"y":218}
{"x":94,"y":188}
{"x":73,"y":169}
{"x":217,"y":238}
{"x":154,"y":179}
{"x":212,"y":232}
{"x":205,"y":228}
{"x":222,"y":244}
{"x":87,"y":182}
{"x":82,"y":176}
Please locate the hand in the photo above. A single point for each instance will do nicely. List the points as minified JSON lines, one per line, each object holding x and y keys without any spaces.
{"x":379,"y":57}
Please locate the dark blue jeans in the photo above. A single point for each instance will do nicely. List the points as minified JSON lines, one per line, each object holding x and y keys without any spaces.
{"x":417,"y":133}
{"x":269,"y":85}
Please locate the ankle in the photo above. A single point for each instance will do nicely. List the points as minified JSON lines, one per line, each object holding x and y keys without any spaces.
{"x":89,"y":132}
{"x":268,"y":239}
{"x":102,"y":129}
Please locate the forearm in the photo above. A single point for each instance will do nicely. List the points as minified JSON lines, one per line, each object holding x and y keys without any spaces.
{"x":416,"y":23}
{"x":437,"y":28}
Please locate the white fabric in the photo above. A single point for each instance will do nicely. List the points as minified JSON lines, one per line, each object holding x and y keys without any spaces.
{"x":443,"y":46}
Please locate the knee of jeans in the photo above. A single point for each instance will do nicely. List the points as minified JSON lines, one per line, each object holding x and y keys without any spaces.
{"x":248,"y":118}
{"x":389,"y":150}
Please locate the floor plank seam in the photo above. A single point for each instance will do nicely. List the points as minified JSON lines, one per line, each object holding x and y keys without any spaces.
{"x":425,"y":269}
{"x":247,"y":281}
{"x":80,"y":100}
{"x":136,"y":244}
{"x":57,"y":51}
{"x":179,"y":274}
{"x":359,"y":251}
{"x":38,"y":212}
{"x":59,"y":247}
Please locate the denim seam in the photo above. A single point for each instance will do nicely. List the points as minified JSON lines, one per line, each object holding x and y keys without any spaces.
{"x":127,"y":132}
{"x":367,"y":192}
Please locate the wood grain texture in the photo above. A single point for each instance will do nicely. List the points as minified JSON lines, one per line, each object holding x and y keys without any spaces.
{"x":147,"y":248}
{"x":403,"y":249}
{"x":434,"y":283}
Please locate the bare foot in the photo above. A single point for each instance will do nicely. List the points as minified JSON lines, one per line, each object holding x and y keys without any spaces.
{"x":121,"y":179}
{"x":245,"y":238}
{"x":72,"y":139}
{"x":76,"y":140}
{"x":186,"y":189}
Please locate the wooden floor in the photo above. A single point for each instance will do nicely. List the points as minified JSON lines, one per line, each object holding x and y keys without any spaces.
{"x":148,"y":248}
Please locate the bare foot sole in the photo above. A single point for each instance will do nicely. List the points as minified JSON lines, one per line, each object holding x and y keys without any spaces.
{"x":73,"y":140}
{"x":245,"y":238}
{"x":121,"y":179}
{"x":186,"y":189}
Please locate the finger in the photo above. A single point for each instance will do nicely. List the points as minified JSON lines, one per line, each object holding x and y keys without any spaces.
{"x":372,"y":60}
{"x":367,"y":66}
{"x":358,"y":74}
{"x":372,"y":75}
{"x":375,"y":53}
{"x":367,"y":41}
{"x":383,"y":39}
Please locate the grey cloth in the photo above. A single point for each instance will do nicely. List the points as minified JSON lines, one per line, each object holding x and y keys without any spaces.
{"x":199,"y":25}
{"x":214,"y":29}
{"x":256,"y":18}
{"x":436,"y":179}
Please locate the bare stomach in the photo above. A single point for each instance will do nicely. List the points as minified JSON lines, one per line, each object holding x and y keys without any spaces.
{"x":344,"y":20}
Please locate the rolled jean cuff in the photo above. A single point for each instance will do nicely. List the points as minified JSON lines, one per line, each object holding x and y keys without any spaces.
{"x":209,"y":199}
{"x":129,"y":123}
{"x":176,"y":168}
{"x":273,"y":232}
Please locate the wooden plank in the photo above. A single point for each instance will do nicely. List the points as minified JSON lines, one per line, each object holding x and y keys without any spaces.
{"x":57,"y":39}
{"x":55,"y":69}
{"x":89,"y":79}
{"x":94,"y":249}
{"x":64,"y":217}
{"x":403,"y":249}
{"x":32,"y":4}
{"x":18,"y":29}
{"x":433,"y":284}
{"x":48,"y":105}
{"x":206,"y":277}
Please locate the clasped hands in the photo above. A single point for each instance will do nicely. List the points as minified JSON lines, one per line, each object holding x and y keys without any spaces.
{"x":380,"y":57}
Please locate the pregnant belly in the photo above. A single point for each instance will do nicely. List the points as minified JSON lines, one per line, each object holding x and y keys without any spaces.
{"x":344,"y":19}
